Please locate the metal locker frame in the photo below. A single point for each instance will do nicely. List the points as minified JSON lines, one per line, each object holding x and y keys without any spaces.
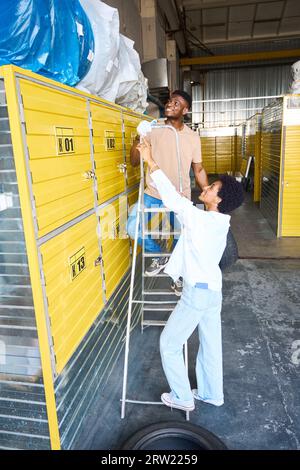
{"x":12,"y":76}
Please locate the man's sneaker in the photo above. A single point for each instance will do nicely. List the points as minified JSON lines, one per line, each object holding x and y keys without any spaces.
{"x":177,"y":286}
{"x":169,"y":400}
{"x":207,"y":400}
{"x":157,"y":265}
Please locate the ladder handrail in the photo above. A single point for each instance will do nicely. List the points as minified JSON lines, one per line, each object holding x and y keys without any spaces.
{"x":141,"y":214}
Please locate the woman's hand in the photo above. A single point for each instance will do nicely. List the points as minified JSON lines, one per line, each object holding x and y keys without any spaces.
{"x":145,"y":151}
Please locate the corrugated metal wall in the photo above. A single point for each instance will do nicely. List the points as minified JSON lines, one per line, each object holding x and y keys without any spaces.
{"x":240,"y":83}
{"x":23,"y":415}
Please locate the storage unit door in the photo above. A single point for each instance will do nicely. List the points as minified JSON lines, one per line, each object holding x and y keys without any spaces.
{"x":223,"y":152}
{"x":270,"y":162}
{"x":108,"y":151}
{"x":115,"y":243}
{"x":208,"y":149}
{"x":257,"y":167}
{"x":290,"y":223}
{"x":73,"y":285}
{"x":130,"y":125}
{"x":57,"y":138}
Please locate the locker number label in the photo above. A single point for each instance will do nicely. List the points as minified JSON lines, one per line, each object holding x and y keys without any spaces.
{"x":77,"y":263}
{"x":110,"y":140}
{"x":64,"y":140}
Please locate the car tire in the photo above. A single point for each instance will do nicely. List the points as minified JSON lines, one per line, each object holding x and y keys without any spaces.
{"x":173,"y":436}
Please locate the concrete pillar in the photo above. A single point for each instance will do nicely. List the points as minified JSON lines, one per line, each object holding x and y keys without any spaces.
{"x":154,"y":41}
{"x":173,"y":64}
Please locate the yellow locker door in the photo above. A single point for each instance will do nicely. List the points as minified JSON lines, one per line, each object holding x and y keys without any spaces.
{"x":73,"y":285}
{"x":208,"y":148}
{"x":130,"y":124}
{"x":108,"y":151}
{"x":57,"y":138}
{"x":223,"y":153}
{"x":290,"y":212}
{"x":115,"y":242}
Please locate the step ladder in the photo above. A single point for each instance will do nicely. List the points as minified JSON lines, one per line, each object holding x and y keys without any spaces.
{"x":151,"y":295}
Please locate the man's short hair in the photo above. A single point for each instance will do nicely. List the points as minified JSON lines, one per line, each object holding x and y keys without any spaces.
{"x":231,"y":193}
{"x":183,"y":95}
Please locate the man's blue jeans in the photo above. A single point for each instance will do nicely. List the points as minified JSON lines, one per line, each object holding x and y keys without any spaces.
{"x":150,"y":245}
{"x":197,"y":308}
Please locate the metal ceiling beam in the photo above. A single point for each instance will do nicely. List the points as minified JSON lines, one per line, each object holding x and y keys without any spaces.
{"x":199,"y":4}
{"x":170,"y":11}
{"x":221,"y":59}
{"x":281,"y":16}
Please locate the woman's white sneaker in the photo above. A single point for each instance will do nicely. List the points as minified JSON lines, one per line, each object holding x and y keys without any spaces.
{"x":169,"y":400}
{"x":207,"y":400}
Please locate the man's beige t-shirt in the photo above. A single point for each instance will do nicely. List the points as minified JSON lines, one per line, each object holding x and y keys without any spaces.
{"x":163,"y":143}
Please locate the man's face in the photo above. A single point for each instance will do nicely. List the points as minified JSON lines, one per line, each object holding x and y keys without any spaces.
{"x":209,"y":194}
{"x":176,"y":107}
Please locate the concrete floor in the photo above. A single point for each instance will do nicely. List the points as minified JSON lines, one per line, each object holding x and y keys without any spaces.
{"x":255,"y":236}
{"x":261,"y":347}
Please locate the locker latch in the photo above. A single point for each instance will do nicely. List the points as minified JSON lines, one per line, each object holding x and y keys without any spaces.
{"x":122,"y":167}
{"x":98,"y":261}
{"x":89,"y":175}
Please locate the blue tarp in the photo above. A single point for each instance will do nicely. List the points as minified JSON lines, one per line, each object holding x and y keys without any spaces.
{"x":50,"y":37}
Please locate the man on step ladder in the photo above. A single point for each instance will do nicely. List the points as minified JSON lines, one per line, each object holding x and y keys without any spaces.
{"x":166,"y":152}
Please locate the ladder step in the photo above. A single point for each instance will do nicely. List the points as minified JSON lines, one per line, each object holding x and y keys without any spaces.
{"x":157,"y":302}
{"x":159,"y":307}
{"x":156,"y":255}
{"x":159,"y":292}
{"x":156,"y":275}
{"x":154,"y":323}
{"x":140,"y":402}
{"x":162,"y":234}
{"x":158,"y":209}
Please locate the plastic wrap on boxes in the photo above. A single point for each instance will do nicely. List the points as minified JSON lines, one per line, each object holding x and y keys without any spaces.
{"x":295,"y":87}
{"x":132,"y":91}
{"x":103,"y":76}
{"x":50,"y":37}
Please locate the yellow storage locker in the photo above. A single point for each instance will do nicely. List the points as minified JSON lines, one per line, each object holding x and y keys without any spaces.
{"x":218,"y":147}
{"x":289,"y":215}
{"x":108,"y":151}
{"x":73,"y":285}
{"x":223,"y":152}
{"x":280,"y":177}
{"x":115,"y":243}
{"x":56,"y":130}
{"x":252,"y":149}
{"x":240,"y":134}
{"x":208,"y":150}
{"x":257,"y":158}
{"x":65,"y":151}
{"x":131,"y":122}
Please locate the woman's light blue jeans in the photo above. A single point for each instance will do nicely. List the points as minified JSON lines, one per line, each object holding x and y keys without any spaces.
{"x":197,"y":308}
